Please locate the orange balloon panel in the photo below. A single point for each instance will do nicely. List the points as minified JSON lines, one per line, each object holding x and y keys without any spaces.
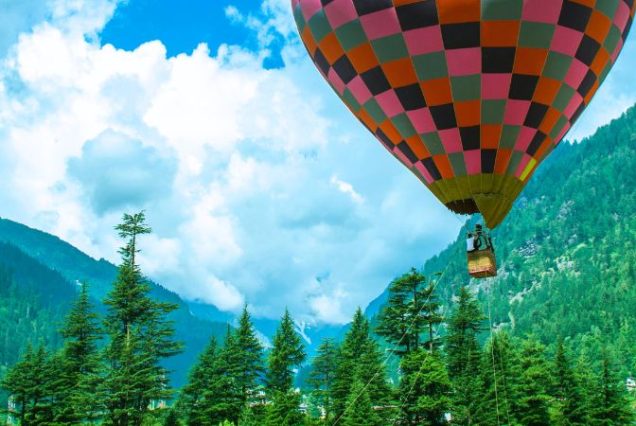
{"x":470,"y":95}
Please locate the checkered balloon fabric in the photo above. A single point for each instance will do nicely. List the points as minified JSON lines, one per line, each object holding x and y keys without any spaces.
{"x":470,"y":95}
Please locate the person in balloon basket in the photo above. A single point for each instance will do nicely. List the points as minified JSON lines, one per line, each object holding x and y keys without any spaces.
{"x":479,"y":240}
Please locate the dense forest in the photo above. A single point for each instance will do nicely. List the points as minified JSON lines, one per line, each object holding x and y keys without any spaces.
{"x":444,"y":378}
{"x":566,"y":252}
{"x":550,"y":340}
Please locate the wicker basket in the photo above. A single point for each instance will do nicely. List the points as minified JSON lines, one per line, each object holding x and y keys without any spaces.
{"x":482,"y":263}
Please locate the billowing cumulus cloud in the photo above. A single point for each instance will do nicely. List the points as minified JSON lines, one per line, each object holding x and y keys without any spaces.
{"x":260,"y":186}
{"x":117,"y":172}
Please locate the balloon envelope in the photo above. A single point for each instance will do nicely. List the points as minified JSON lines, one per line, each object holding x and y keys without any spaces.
{"x":470,"y":95}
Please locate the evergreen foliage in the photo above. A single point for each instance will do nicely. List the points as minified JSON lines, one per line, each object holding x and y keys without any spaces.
{"x":425,"y":389}
{"x":79,"y":365}
{"x":198,"y":400}
{"x":412,"y":310}
{"x":30,"y":383}
{"x":570,"y":401}
{"x":359,"y":357}
{"x":139,"y":336}
{"x":321,"y":378}
{"x":464,"y":355}
{"x":243,"y":357}
{"x":287,"y":354}
{"x":609,"y":405}
{"x":535,"y":384}
{"x":359,"y":410}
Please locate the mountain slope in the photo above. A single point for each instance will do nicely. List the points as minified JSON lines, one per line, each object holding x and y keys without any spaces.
{"x":566,"y":252}
{"x":71,"y":265}
{"x":34,"y":300}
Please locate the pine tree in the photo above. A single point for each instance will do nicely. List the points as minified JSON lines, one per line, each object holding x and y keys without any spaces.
{"x":79,"y":366}
{"x":140,"y":336}
{"x":359,"y":410}
{"x":609,"y":402}
{"x":245,"y":364}
{"x":411,"y":311}
{"x":321,"y":377}
{"x":499,"y":378}
{"x":283,"y":409}
{"x":29,"y":383}
{"x":463,"y":356}
{"x":535,"y":382}
{"x":425,"y":389}
{"x":195,"y":400}
{"x":359,"y":352}
{"x":226,"y":393}
{"x":172,"y":418}
{"x":287,"y":353}
{"x":570,"y":402}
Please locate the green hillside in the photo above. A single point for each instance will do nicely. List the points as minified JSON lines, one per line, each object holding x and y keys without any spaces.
{"x":43,"y":270}
{"x":34,"y":301}
{"x":567,"y":250}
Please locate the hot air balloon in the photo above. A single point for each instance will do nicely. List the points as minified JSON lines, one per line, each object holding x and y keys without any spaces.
{"x":470,"y":95}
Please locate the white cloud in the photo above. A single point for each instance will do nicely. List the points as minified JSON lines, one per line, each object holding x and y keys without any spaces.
{"x":346,"y":188}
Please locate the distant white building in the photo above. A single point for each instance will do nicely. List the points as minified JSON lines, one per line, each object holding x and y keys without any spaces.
{"x":630,"y":383}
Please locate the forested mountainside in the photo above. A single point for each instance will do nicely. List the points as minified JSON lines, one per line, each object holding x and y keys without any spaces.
{"x":38,"y":276}
{"x":34,"y":300}
{"x":567,"y":251}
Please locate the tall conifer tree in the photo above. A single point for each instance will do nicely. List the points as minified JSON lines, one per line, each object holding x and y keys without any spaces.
{"x":535,"y":383}
{"x":569,"y":398}
{"x":464,"y":356}
{"x":409,"y":318}
{"x":287,"y":353}
{"x":321,"y":377}
{"x":360,"y":411}
{"x":197,"y":397}
{"x":425,"y":389}
{"x":140,"y":336}
{"x":610,"y":406}
{"x":80,"y":368}
{"x":359,"y":353}
{"x":246,"y":363}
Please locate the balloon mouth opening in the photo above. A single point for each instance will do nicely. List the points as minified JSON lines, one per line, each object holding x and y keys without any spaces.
{"x":466,"y":206}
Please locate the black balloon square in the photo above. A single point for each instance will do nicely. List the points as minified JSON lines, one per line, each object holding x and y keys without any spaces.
{"x":417,"y":15}
{"x":364,"y":7}
{"x":574,"y":15}
{"x":488,"y":157}
{"x":538,"y":139}
{"x":459,"y":36}
{"x":587,"y":50}
{"x":587,"y":83}
{"x":522,"y":86}
{"x":470,"y":137}
{"x":429,"y":164}
{"x":535,"y":115}
{"x":497,"y":59}
{"x":384,"y":138}
{"x":407,"y":151}
{"x":444,"y":116}
{"x":344,"y":69}
{"x":321,"y":61}
{"x":375,"y":80}
{"x":411,"y":97}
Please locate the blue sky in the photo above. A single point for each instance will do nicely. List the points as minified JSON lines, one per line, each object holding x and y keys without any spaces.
{"x":259,"y":184}
{"x":181,"y":27}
